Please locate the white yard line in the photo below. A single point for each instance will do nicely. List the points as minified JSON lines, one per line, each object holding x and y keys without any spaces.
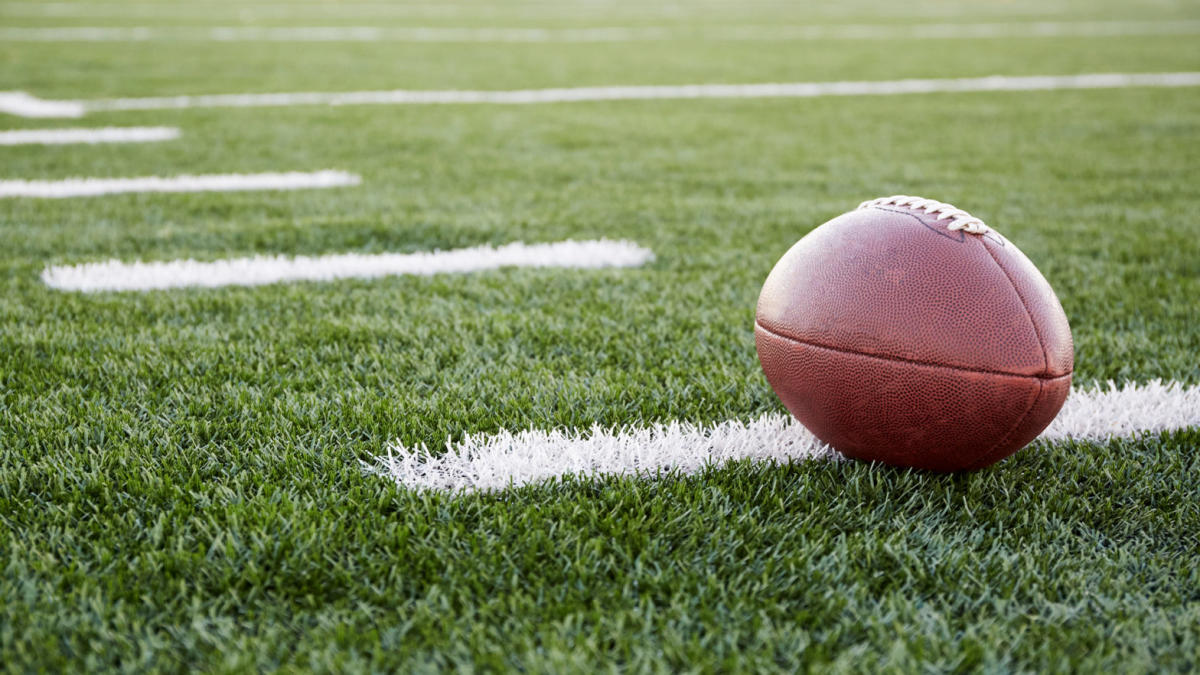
{"x":115,"y":275}
{"x":632,"y":93}
{"x":496,"y":461}
{"x":101,"y":135}
{"x":450,"y":34}
{"x":22,"y":104}
{"x":228,"y":182}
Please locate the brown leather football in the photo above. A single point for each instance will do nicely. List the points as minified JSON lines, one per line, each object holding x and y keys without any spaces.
{"x":910,"y":333}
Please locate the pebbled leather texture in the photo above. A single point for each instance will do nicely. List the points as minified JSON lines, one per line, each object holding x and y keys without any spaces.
{"x":895,"y":339}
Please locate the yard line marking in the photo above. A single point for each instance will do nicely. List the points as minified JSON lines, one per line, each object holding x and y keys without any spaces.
{"x":115,"y":275}
{"x":22,"y":104}
{"x":225,"y":182}
{"x":102,"y":135}
{"x":487,"y":462}
{"x":993,"y":83}
{"x":451,"y":34}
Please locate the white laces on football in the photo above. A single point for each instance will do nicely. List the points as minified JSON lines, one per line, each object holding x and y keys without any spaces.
{"x":959,"y":219}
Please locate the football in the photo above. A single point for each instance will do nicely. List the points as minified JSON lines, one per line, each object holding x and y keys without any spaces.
{"x":908,"y":332}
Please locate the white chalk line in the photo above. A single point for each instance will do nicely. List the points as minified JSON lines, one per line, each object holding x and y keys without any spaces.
{"x":225,"y":182}
{"x":88,"y":136}
{"x":497,"y":461}
{"x":22,"y":104}
{"x":115,"y":275}
{"x":455,"y":35}
{"x":996,"y":83}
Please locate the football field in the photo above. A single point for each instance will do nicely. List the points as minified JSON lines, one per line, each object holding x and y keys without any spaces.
{"x":345,"y":336}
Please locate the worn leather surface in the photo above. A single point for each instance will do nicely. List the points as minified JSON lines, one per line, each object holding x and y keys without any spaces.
{"x":895,"y":339}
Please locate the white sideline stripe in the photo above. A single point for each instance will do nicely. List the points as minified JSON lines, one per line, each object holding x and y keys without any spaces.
{"x":496,"y":461}
{"x":226,"y":182}
{"x":630,"y":93}
{"x":115,"y":275}
{"x":102,"y":135}
{"x":450,"y":34}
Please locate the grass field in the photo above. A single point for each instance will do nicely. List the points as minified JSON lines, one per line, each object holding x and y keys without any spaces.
{"x":181,"y":472}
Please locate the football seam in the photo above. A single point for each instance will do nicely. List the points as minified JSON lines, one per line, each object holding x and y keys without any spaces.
{"x":1024,"y":305}
{"x":915,"y":362}
{"x":962,"y":237}
{"x":986,"y":458}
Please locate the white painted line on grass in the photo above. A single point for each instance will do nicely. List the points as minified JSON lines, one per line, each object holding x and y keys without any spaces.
{"x":22,"y":104}
{"x":496,"y":461}
{"x":651,"y":92}
{"x":454,"y":35}
{"x":226,"y":182}
{"x":115,"y":275}
{"x":101,"y":135}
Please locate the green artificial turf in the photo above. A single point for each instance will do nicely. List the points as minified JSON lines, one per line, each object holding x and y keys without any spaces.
{"x":181,"y":481}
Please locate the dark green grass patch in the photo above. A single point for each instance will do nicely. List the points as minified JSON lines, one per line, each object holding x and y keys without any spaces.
{"x":180,"y":472}
{"x":1077,"y":555}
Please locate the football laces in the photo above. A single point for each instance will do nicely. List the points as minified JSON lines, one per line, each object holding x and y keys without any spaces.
{"x":959,"y":219}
